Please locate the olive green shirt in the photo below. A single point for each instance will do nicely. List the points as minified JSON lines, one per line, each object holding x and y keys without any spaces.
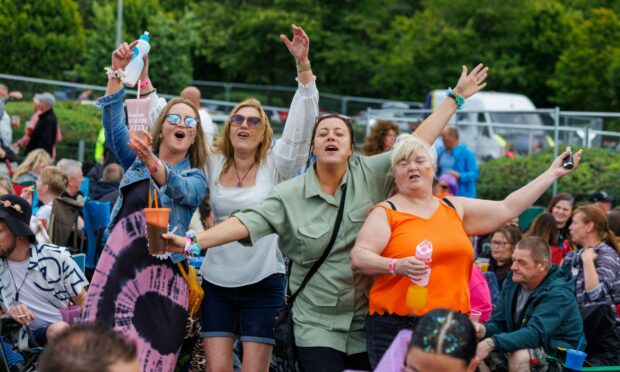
{"x":332,"y":308}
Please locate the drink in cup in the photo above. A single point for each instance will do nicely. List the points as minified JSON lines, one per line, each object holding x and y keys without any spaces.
{"x":156,"y":225}
{"x":15,"y":120}
{"x":483,"y":264}
{"x":475,"y":315}
{"x":71,"y":313}
{"x":137,"y":116}
{"x":575,"y":359}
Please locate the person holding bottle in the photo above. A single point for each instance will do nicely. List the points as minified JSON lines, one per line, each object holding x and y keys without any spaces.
{"x":329,"y":313}
{"x":387,"y":243}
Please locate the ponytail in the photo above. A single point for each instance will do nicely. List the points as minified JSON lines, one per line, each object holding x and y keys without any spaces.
{"x":610,"y":239}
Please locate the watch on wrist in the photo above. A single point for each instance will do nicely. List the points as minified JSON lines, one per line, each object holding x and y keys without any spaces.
{"x":457,"y":98}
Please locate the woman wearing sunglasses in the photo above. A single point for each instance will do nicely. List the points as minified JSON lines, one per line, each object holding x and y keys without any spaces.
{"x":245,"y":285}
{"x":143,"y":296}
{"x":329,"y":313}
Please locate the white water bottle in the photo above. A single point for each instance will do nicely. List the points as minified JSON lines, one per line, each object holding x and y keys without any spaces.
{"x":134,"y":68}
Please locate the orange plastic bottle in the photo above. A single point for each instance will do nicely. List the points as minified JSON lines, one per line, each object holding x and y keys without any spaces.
{"x":417,"y":293}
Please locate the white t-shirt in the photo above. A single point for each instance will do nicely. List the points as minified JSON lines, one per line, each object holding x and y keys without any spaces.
{"x":235,"y":265}
{"x":44,"y":214}
{"x":45,"y":313}
{"x":208,"y":126}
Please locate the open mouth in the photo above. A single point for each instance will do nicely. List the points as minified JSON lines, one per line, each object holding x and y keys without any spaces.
{"x":331,"y":148}
{"x":414,"y":176}
{"x":243,"y":134}
{"x":179,"y":134}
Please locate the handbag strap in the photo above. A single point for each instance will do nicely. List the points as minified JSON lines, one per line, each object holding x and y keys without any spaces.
{"x":328,"y":249}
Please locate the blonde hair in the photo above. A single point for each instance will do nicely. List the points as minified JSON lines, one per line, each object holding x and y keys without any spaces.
{"x":55,"y":178}
{"x":224,"y":146}
{"x":198,"y":150}
{"x":6,"y":185}
{"x":408,"y":144}
{"x":35,"y":159}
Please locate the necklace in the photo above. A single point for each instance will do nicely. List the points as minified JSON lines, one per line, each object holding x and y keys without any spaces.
{"x":14,"y":283}
{"x":240,"y":180}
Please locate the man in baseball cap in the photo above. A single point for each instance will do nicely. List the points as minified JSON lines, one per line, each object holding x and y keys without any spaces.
{"x":36,"y":281}
{"x":602,"y":200}
{"x":44,"y":134}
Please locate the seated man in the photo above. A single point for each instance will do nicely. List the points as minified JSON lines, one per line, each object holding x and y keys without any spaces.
{"x":537,"y":314}
{"x":89,"y":347}
{"x":36,"y":281}
{"x":107,"y":188}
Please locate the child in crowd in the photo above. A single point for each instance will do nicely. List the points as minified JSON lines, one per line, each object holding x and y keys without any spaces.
{"x":51,"y":184}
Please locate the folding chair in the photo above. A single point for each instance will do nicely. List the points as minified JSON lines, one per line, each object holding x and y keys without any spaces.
{"x":96,"y":217}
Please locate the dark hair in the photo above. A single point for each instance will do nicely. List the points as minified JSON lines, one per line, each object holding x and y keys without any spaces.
{"x":559,"y":197}
{"x":373,"y":144}
{"x":442,"y":331}
{"x":538,"y":248}
{"x":613,"y":218}
{"x":546,"y":227}
{"x":511,"y":233}
{"x":204,"y":209}
{"x":86,"y":348}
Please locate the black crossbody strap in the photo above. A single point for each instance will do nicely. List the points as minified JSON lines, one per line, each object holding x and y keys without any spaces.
{"x":328,"y":249}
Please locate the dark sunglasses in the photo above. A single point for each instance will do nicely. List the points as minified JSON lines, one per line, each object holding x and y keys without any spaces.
{"x":237,"y":120}
{"x":175,"y":119}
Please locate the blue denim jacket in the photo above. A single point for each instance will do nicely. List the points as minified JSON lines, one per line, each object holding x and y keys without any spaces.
{"x":185,"y":187}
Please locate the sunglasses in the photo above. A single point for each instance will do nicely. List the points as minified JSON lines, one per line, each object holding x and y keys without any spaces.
{"x":175,"y":119}
{"x":237,"y":120}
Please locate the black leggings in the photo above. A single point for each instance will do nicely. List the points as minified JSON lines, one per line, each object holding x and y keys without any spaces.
{"x":325,"y":359}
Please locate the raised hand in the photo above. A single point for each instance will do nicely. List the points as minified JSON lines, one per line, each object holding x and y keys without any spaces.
{"x":140,"y":144}
{"x":122,"y":55}
{"x":557,"y":166}
{"x":299,"y":47}
{"x":470,"y":84}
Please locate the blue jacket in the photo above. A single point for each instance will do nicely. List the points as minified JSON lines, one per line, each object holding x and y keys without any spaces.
{"x":185,"y":186}
{"x":550,"y":318}
{"x":466,"y":165}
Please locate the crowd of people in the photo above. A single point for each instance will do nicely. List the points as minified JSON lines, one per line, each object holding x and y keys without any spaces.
{"x":340,"y":241}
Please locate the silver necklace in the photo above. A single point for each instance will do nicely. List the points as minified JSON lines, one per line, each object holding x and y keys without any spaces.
{"x":13,"y":280}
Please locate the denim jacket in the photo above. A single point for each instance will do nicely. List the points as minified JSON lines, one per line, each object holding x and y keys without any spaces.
{"x":185,"y":187}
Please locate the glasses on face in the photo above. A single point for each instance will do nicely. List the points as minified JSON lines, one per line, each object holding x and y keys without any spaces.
{"x":237,"y":120}
{"x":499,"y":243}
{"x":175,"y":119}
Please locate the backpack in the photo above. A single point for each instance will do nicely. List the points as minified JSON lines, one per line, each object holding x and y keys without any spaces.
{"x":63,"y":229}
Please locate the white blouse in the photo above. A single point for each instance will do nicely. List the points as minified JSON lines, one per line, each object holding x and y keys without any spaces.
{"x":235,"y":265}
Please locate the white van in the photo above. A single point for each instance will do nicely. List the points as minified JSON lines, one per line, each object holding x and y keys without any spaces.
{"x":493,"y":142}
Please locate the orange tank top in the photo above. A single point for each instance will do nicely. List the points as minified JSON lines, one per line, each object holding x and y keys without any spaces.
{"x":451,"y":266}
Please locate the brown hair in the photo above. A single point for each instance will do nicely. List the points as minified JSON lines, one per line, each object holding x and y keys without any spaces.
{"x":198,"y":150}
{"x":55,"y":178}
{"x":224,"y":146}
{"x":592,"y":213}
{"x":112,"y":173}
{"x":373,"y":144}
{"x":559,"y":197}
{"x":511,"y":233}
{"x":546,"y":227}
{"x":318,"y":121}
{"x":538,"y":248}
{"x":6,"y":184}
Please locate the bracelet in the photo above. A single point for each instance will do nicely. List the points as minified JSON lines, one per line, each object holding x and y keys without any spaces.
{"x":144,"y":84}
{"x":155,"y":166}
{"x":114,"y":74}
{"x":191,"y":244}
{"x":392,"y":266}
{"x":458,"y":99}
{"x":303,"y":67}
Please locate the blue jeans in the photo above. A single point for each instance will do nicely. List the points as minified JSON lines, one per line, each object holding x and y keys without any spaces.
{"x":12,"y":357}
{"x":381,"y":331}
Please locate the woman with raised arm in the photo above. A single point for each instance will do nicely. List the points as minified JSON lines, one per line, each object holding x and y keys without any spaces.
{"x":329,"y":313}
{"x":244,"y":286}
{"x":142,"y":296}
{"x":415,"y":219}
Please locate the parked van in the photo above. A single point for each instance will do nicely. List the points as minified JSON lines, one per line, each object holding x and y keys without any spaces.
{"x":489,"y":141}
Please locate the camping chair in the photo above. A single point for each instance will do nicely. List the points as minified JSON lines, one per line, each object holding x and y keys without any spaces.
{"x":96,"y":219}
{"x":63,"y":225}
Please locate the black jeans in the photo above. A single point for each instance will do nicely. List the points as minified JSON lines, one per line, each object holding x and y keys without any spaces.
{"x":326,"y":359}
{"x":381,"y":331}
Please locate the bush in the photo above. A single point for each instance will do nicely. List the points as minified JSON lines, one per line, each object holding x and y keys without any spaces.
{"x":599,"y":169}
{"x":77,"y":121}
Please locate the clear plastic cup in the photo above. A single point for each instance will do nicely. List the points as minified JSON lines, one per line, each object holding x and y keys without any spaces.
{"x":156,"y":225}
{"x":475,"y":315}
{"x":71,"y":313}
{"x":575,"y":359}
{"x":483,"y":264}
{"x":137,"y":116}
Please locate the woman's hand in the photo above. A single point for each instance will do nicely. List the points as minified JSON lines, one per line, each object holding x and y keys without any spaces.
{"x":299,"y":47}
{"x":470,"y":84}
{"x":588,"y":255}
{"x":557,"y":167}
{"x":140,"y":144}
{"x":122,"y":55}
{"x":174,"y":243}
{"x":410,"y":267}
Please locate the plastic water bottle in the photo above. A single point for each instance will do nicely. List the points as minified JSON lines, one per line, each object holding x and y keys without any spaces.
{"x":417,"y":293}
{"x":134,"y":68}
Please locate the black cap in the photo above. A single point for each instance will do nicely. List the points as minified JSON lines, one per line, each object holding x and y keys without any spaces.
{"x":601,"y":196}
{"x":16,"y":213}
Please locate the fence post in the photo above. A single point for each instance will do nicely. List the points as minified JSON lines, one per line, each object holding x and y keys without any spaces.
{"x":81,"y":151}
{"x":343,"y":105}
{"x":556,"y":139}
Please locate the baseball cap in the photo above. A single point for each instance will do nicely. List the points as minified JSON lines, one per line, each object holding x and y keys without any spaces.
{"x":601,"y":196}
{"x":46,"y":97}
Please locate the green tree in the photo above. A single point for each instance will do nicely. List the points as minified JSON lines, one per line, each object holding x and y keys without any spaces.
{"x":587,"y":75}
{"x":39,"y":38}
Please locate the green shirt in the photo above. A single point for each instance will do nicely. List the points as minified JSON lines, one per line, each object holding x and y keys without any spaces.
{"x":331,"y":309}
